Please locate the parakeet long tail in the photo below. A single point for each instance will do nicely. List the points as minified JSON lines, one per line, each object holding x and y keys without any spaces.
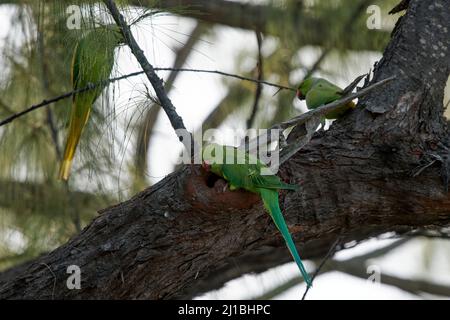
{"x":270,"y":199}
{"x":76,"y":126}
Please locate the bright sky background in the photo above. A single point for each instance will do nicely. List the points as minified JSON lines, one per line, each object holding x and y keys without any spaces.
{"x":195,"y":95}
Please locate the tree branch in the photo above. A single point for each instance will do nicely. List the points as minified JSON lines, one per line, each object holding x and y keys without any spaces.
{"x":63,"y":96}
{"x":157,"y":84}
{"x":66,"y":95}
{"x":325,"y":267}
{"x":326,"y":108}
{"x":357,"y":267}
{"x":415,"y":286}
{"x":151,"y":115}
{"x":259,"y":87}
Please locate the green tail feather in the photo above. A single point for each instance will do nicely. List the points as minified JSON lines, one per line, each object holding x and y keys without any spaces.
{"x":270,"y":199}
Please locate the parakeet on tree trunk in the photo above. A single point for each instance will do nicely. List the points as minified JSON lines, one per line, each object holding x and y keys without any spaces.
{"x":243,"y":171}
{"x":92,"y":62}
{"x":318,"y":91}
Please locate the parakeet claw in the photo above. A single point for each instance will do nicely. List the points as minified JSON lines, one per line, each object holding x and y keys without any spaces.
{"x":221,"y":186}
{"x":322,"y":125}
{"x":225,"y":187}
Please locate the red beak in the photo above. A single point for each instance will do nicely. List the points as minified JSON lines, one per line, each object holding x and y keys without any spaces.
{"x":300,"y":95}
{"x":206,"y":166}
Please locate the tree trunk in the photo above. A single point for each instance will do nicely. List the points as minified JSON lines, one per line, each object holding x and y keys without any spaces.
{"x":182,"y":237}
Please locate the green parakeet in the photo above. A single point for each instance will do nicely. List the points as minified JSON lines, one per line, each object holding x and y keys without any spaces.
{"x":318,"y":91}
{"x":92,"y":62}
{"x":243,"y":171}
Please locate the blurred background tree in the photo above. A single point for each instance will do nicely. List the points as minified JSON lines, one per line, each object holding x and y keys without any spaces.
{"x":291,"y":39}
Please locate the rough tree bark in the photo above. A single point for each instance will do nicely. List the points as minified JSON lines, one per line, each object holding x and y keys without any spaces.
{"x":182,"y":237}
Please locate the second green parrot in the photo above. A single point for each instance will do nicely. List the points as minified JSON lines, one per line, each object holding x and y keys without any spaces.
{"x":318,"y":91}
{"x":92,"y":62}
{"x":244,"y":172}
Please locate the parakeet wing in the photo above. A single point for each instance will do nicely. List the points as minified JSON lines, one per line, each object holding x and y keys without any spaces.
{"x":321,"y":94}
{"x":271,"y":182}
{"x":324,"y":92}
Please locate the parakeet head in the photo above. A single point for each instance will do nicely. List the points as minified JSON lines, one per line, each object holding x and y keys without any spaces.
{"x":213,"y":158}
{"x":304,"y":87}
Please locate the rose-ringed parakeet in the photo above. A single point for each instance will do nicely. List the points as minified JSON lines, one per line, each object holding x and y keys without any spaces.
{"x":318,"y":91}
{"x":243,"y":171}
{"x":92,"y":62}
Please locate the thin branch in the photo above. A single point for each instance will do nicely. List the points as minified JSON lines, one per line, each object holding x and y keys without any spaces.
{"x":302,"y":134}
{"x":326,"y":108}
{"x":329,"y":254}
{"x":415,"y":286}
{"x":231,"y":75}
{"x":331,"y":267}
{"x":175,"y":120}
{"x":148,"y":122}
{"x":66,"y":95}
{"x":259,"y":87}
{"x":356,"y":267}
{"x":311,"y":119}
{"x":63,"y":96}
{"x":293,"y":146}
